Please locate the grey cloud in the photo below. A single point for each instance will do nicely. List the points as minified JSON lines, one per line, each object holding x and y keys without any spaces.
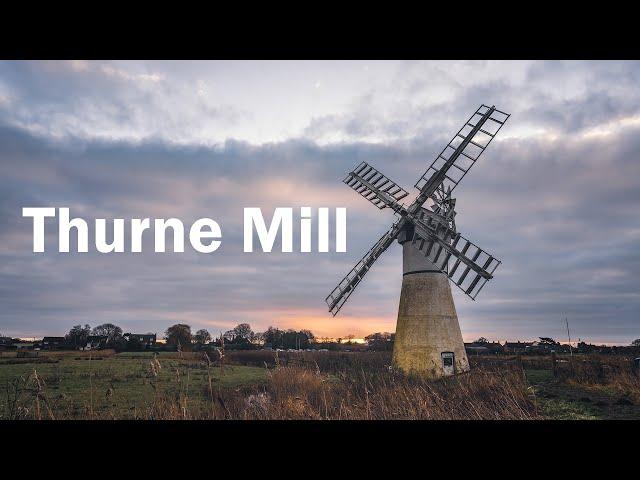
{"x":101,"y":99}
{"x":575,"y":258}
{"x":566,"y":97}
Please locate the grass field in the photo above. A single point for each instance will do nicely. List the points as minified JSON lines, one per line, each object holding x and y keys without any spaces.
{"x":585,"y":387}
{"x":310,"y":385}
{"x":66,"y":385}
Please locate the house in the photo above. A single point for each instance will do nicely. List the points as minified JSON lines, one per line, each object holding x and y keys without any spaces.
{"x":146,"y":340}
{"x":539,"y":347}
{"x":516,"y":347}
{"x":95,"y":342}
{"x":52,"y":343}
{"x":6,"y":343}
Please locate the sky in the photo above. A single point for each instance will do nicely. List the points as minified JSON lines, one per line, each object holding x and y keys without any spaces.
{"x":555,"y":197}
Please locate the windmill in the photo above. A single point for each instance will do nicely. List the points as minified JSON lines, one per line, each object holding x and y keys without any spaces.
{"x":428,"y":340}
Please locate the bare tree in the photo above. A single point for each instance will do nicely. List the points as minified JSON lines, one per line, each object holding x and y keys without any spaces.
{"x":109,"y":330}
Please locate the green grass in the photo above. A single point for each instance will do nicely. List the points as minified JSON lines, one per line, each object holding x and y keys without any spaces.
{"x":562,"y":401}
{"x":150,"y":355}
{"x":563,"y":409}
{"x":129,"y":385}
{"x":555,"y":402}
{"x":538,"y":376}
{"x":120,"y":385}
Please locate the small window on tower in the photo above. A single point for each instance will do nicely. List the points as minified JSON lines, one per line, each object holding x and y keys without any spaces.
{"x":448,"y":363}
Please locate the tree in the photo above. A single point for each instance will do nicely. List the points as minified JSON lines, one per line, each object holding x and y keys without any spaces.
{"x":109,"y":330}
{"x":228,"y":336}
{"x":179,"y":335}
{"x":258,"y":338}
{"x":277,"y":338}
{"x":380,"y":341}
{"x":547,"y":341}
{"x":636,"y":343}
{"x":308,"y":333}
{"x":78,"y":335}
{"x":202,"y":336}
{"x":296,"y":339}
{"x":481,"y":340}
{"x":242,"y":333}
{"x":273,"y":337}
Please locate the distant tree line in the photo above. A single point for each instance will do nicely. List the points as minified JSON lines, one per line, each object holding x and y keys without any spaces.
{"x":79,"y":335}
{"x":180,"y":337}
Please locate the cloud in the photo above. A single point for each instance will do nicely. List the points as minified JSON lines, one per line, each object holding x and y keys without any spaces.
{"x":109,"y":101}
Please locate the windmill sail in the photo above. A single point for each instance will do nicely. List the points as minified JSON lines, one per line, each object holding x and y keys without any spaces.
{"x":467,"y":265}
{"x":375,"y":187}
{"x":464,"y":149}
{"x":347,"y":285}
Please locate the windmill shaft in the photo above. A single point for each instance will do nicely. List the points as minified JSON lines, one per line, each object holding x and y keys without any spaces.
{"x":428,"y":339}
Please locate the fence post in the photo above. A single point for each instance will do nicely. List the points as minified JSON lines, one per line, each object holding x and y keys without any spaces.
{"x":554,"y":363}
{"x":519,"y":363}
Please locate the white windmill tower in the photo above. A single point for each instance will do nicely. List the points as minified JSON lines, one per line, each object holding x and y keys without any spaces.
{"x":428,"y":339}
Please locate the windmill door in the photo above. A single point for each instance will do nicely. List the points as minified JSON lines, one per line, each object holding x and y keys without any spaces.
{"x":448,"y":363}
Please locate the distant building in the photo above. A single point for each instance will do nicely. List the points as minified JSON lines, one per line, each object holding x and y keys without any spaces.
{"x":539,"y":347}
{"x":95,"y":342}
{"x":476,"y":349}
{"x":6,"y":343}
{"x":52,"y":343}
{"x":495,"y":347}
{"x":492,"y":348}
{"x":146,"y":340}
{"x":516,"y":347}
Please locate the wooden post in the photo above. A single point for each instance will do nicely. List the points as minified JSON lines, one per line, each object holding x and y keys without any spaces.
{"x":554,"y":362}
{"x":520,"y":365}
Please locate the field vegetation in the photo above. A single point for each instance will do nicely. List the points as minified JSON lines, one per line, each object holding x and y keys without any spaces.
{"x":264,"y":384}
